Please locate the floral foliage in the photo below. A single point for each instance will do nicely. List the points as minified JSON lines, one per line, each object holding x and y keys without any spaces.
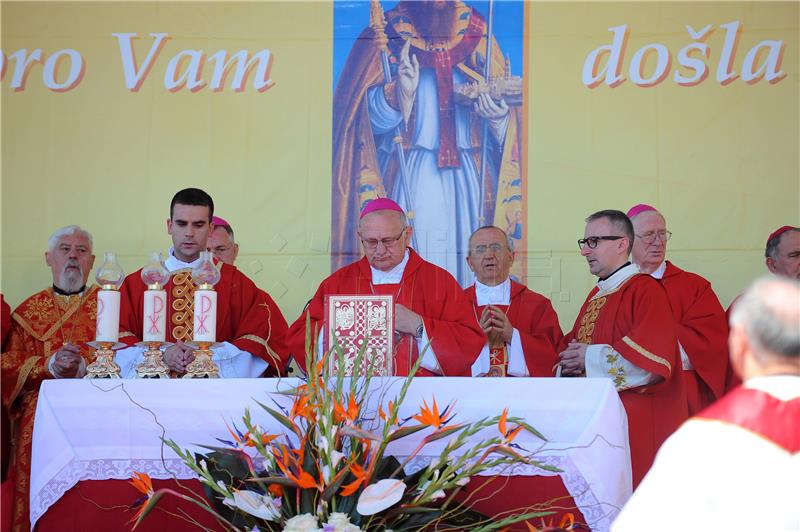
{"x":329,"y":470}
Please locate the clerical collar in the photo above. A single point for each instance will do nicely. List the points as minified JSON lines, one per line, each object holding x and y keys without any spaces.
{"x":618,"y":277}
{"x":173,"y":263}
{"x":61,"y":292}
{"x":658,"y":273}
{"x":493,"y":295}
{"x":393,"y":276}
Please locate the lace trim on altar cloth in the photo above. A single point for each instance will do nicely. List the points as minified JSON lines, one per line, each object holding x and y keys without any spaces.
{"x":598,"y":515}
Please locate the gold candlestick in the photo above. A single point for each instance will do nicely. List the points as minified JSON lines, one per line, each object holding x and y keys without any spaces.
{"x":103,"y":366}
{"x":202,"y":367}
{"x":153,"y":366}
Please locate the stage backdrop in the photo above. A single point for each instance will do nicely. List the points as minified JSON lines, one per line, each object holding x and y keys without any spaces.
{"x":110,"y":108}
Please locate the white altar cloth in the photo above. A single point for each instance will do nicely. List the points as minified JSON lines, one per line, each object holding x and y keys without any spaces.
{"x":107,"y":429}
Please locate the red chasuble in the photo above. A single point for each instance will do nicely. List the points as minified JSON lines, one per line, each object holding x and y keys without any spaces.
{"x":636,"y":321}
{"x":533,"y":316}
{"x":426,"y":289}
{"x":247,"y":317}
{"x":763,"y":414}
{"x":702,"y":329}
{"x":41,"y":325}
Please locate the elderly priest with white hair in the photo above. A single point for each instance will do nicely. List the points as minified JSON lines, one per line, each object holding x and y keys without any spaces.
{"x":48,"y":338}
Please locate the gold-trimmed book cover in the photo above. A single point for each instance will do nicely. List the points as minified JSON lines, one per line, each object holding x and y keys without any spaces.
{"x":353,"y":320}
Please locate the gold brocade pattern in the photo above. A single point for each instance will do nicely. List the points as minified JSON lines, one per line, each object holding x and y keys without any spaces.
{"x":588,"y":320}
{"x":616,"y":370}
{"x":39,"y":309}
{"x":182,"y":306}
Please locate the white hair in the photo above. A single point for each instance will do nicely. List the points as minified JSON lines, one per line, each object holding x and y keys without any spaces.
{"x":52,"y":242}
{"x":769,"y":312}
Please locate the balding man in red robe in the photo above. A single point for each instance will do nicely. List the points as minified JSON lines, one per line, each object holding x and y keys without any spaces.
{"x":521,"y":326}
{"x":430,"y":306}
{"x":625,"y":332}
{"x":700,"y":320}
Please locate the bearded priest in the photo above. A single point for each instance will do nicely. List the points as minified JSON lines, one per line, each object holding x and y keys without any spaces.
{"x":48,"y":336}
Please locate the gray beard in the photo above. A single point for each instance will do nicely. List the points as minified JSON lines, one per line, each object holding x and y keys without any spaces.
{"x":70,"y":280}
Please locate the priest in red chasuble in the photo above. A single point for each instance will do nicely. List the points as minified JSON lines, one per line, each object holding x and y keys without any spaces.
{"x":47,"y":340}
{"x":430,"y":306}
{"x":702,"y":326}
{"x":625,"y":332}
{"x":251,"y":330}
{"x":521,"y":326}
{"x":735,"y":465}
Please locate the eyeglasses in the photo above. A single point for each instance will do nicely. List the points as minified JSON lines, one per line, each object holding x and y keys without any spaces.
{"x":592,"y":241}
{"x":481,"y":249}
{"x":650,"y":236}
{"x":372,"y":243}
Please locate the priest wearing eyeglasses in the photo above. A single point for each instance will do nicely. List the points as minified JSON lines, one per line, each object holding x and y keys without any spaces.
{"x":700,"y":321}
{"x":430,"y":306}
{"x":625,"y":332}
{"x":521,"y":326}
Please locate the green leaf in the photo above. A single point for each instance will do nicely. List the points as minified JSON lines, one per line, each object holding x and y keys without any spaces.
{"x":402,"y":432}
{"x":443,"y":433}
{"x":346,"y":430}
{"x":283,"y":420}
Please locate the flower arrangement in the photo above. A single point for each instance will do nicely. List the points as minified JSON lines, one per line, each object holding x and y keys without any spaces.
{"x":330,"y":470}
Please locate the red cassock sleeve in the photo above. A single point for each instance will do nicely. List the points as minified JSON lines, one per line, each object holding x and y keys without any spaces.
{"x":131,"y":311}
{"x":450,"y":322}
{"x":702,"y":327}
{"x":650,"y":342}
{"x":537,"y":322}
{"x":5,"y":314}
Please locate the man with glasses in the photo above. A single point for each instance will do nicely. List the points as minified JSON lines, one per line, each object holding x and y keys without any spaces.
{"x":700,"y":320}
{"x":521,"y":326}
{"x":221,"y":241}
{"x":430,"y":306}
{"x":625,"y":332}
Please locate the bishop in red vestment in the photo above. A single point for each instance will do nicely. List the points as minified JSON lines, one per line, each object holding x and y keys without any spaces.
{"x":734,"y":466}
{"x":522,"y":328}
{"x":47,"y":340}
{"x":701,"y":322}
{"x":250,"y":326}
{"x":430,"y":306}
{"x":625,"y":332}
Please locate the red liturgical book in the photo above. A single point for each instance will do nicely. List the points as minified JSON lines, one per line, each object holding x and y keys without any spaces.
{"x":355,"y":320}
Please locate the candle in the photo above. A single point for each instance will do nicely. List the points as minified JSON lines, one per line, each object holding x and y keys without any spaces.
{"x":155,"y":317}
{"x":205,"y":315}
{"x":107,"y":316}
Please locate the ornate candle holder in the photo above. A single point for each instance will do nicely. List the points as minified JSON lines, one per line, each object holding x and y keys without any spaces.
{"x":205,"y":275}
{"x":155,"y":275}
{"x":109,"y":276}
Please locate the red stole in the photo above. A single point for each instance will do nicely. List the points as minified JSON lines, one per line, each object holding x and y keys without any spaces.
{"x":760,"y":413}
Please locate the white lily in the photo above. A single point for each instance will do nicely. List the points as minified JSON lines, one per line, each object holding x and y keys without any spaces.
{"x":381,"y":495}
{"x":254,"y":503}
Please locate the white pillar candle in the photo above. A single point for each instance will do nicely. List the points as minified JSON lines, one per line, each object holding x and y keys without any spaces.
{"x":205,"y":316}
{"x":155,"y":316}
{"x":107,"y":316}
